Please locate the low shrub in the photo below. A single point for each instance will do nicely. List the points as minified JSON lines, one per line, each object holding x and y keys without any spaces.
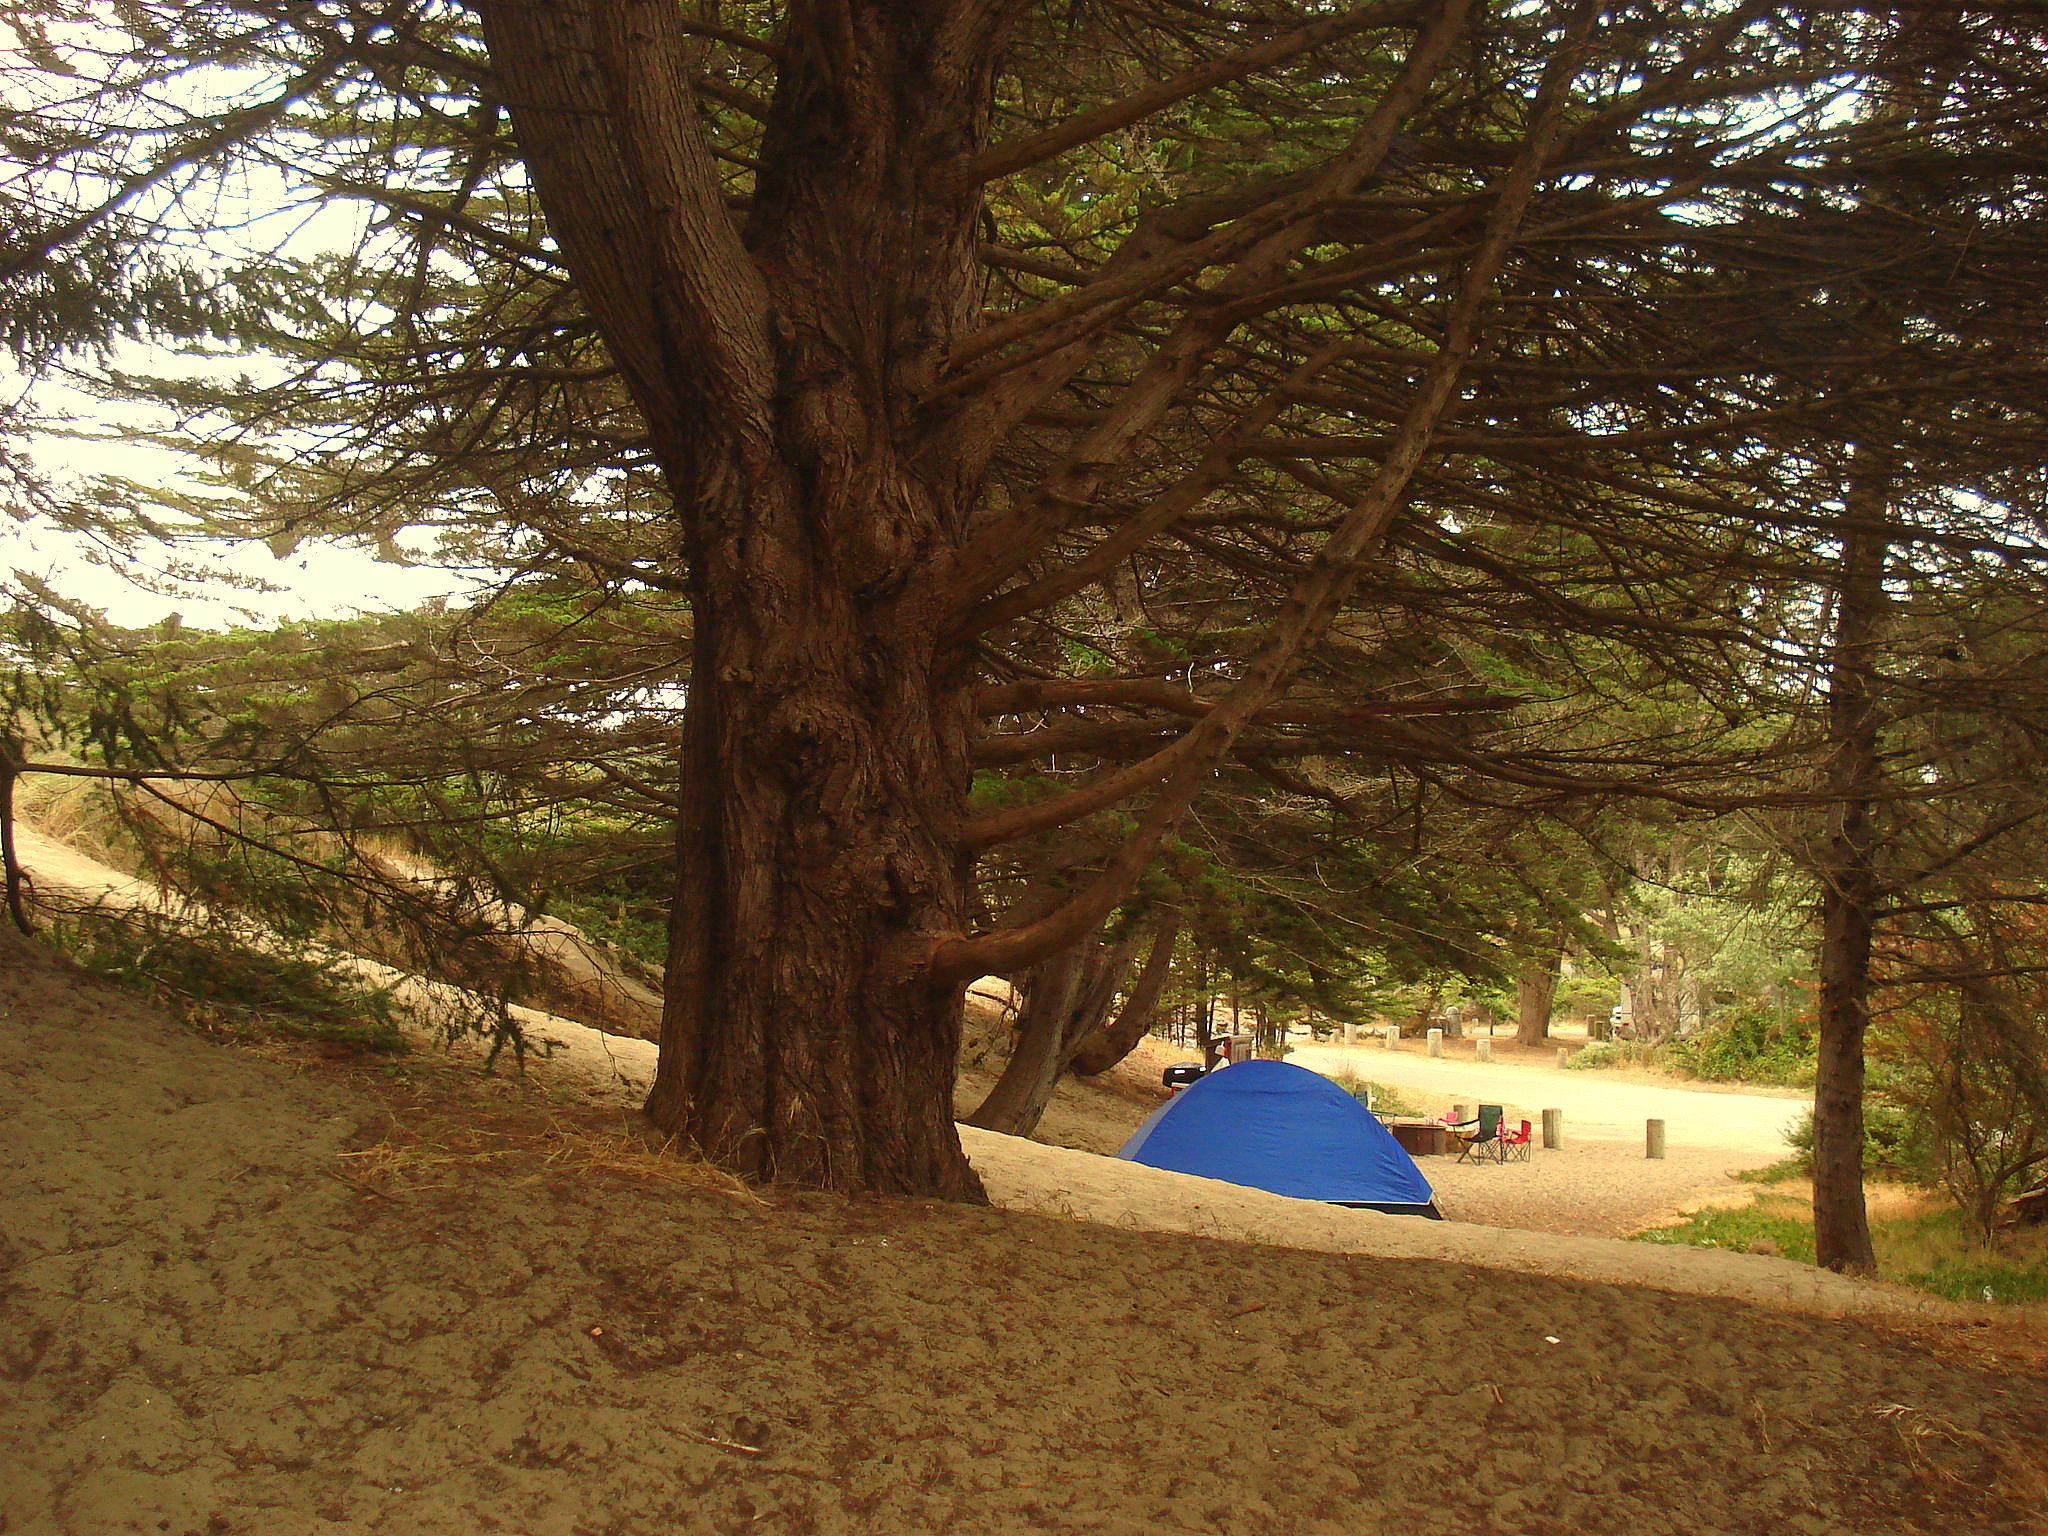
{"x":1894,"y":1144}
{"x":1607,"y":1054}
{"x":1749,"y":1045}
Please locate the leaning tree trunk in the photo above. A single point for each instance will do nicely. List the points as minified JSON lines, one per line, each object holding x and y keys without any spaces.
{"x":1065,"y":1000}
{"x":1105,"y":1047}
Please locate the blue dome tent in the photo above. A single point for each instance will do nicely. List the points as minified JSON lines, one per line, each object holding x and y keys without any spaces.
{"x":1286,"y":1129}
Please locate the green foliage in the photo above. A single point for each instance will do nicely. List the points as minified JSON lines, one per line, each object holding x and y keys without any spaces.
{"x":1895,"y":1143}
{"x":1966,"y":1051}
{"x":1742,"y":1229}
{"x":1606,"y":1055}
{"x":211,"y":981}
{"x":1585,"y":993}
{"x":1750,"y":1044}
{"x":1088,"y":660}
{"x":639,"y":929}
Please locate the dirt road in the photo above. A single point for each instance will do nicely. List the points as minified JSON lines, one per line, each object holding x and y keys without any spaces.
{"x":1595,"y":1106}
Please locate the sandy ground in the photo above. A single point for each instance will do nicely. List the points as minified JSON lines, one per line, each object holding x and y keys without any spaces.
{"x":240,"y":1295}
{"x":285,"y":1297}
{"x":1586,"y":1193}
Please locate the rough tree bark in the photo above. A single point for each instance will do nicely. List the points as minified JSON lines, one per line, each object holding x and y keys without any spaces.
{"x":823,"y":400}
{"x":1850,"y":886}
{"x":1535,"y":993}
{"x":805,"y":1038}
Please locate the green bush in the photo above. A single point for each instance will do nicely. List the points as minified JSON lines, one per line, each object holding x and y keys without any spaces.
{"x":1606,"y":1054}
{"x":1894,"y":1143}
{"x":1749,"y":1045}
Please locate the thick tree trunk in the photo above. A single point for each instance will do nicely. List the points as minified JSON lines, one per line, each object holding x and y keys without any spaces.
{"x":1110,"y":1044}
{"x":802,"y":384}
{"x":802,"y":1038}
{"x":781,"y":373}
{"x":1535,"y":994}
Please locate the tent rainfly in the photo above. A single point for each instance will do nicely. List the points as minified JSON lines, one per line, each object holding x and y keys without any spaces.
{"x":1272,"y":1126}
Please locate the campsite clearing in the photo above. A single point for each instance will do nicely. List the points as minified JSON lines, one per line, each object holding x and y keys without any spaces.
{"x":1598,"y":1182}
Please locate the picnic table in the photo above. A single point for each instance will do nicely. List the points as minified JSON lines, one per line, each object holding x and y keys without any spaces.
{"x":1423,"y":1138}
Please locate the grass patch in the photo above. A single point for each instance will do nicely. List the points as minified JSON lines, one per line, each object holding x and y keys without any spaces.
{"x":1782,"y":1172}
{"x":1929,"y":1248}
{"x":1936,"y":1252}
{"x":1771,"y":1223}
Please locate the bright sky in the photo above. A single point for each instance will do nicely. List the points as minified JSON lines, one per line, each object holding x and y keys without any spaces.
{"x":317,"y":581}
{"x":209,"y":583}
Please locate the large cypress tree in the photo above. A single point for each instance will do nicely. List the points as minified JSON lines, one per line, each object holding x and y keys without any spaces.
{"x":893,"y":336}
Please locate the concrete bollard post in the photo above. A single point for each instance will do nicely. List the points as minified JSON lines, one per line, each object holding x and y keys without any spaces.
{"x":1351,"y":1034}
{"x":1391,"y":1038}
{"x":1484,"y":1050}
{"x":1553,"y":1128}
{"x":1563,"y":1056}
{"x":1653,"y":1138}
{"x":1436,"y":1042}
